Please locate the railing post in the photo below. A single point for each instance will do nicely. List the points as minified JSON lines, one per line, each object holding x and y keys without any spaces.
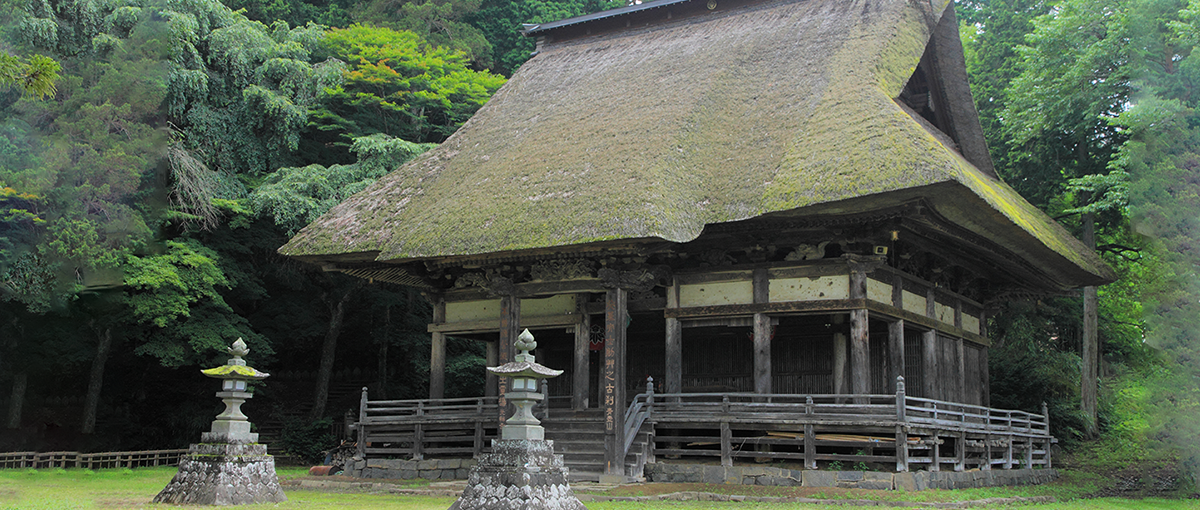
{"x":1046,"y":417}
{"x":361,"y":447}
{"x":960,"y":443}
{"x":418,"y":449}
{"x":726,"y":434}
{"x":987,"y":439}
{"x":1008,"y":450}
{"x":810,"y":445}
{"x":901,"y":427}
{"x":649,"y":397}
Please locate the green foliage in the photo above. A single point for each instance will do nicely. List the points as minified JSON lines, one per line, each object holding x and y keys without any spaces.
{"x":308,"y":440}
{"x":399,"y":85}
{"x":34,"y":76}
{"x":500,"y":21}
{"x":294,"y":197}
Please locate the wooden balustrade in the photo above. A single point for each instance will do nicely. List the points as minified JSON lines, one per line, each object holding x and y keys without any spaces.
{"x":104,"y":460}
{"x":417,"y":429}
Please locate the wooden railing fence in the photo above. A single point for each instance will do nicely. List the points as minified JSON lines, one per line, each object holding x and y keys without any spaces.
{"x":417,"y":428}
{"x":44,"y":460}
{"x":843,"y":429}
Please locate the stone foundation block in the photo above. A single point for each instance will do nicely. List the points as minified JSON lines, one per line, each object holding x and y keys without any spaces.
{"x":224,"y":474}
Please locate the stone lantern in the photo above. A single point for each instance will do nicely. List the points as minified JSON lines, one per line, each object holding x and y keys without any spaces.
{"x":229,"y":466}
{"x":527,"y":375}
{"x":231,"y":425}
{"x":521,"y":472}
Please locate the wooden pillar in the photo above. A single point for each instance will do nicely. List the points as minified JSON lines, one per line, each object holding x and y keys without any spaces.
{"x":492,"y":388}
{"x":960,"y":383}
{"x":579,"y":372}
{"x":673,"y":383}
{"x":896,"y":336}
{"x":929,"y":350}
{"x":860,"y":342}
{"x":437,"y":354}
{"x":762,"y":334}
{"x":961,"y":355}
{"x":615,"y":316}
{"x":840,"y":371}
{"x":510,"y":327}
{"x":985,"y":375}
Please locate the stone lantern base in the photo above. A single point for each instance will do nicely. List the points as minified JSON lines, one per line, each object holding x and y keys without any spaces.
{"x":519,"y":474}
{"x":224,"y":474}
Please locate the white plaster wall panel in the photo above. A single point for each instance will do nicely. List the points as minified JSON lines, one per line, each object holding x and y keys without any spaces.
{"x":562,"y":304}
{"x":810,"y":289}
{"x":971,"y":323}
{"x":944,"y":313}
{"x":465,"y":311}
{"x":914,"y":303}
{"x":709,"y":294}
{"x":879,"y":291}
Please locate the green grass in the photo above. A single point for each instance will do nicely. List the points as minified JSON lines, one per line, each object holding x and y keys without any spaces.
{"x":53,"y":489}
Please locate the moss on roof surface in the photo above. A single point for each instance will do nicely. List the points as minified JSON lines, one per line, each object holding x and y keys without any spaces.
{"x":658,"y":131}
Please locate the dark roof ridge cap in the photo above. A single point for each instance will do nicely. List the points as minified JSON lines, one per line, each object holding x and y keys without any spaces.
{"x":539,"y":28}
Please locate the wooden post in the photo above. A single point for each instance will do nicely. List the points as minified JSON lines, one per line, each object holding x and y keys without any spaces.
{"x":1008,"y":450}
{"x":1090,"y":373}
{"x":901,"y":433}
{"x":579,"y":373}
{"x":936,"y":465}
{"x":726,"y":443}
{"x":418,"y":449}
{"x":860,"y":342}
{"x":987,"y":439}
{"x":510,"y":328}
{"x":1048,"y":443}
{"x":437,"y":354}
{"x":477,"y":446}
{"x":673,"y":383}
{"x":361,"y":447}
{"x":896,"y":359}
{"x":960,"y":369}
{"x":492,"y":387}
{"x":839,"y":356}
{"x":810,"y":445}
{"x":615,"y":317}
{"x":762,"y":334}
{"x":960,"y":450}
{"x":929,"y":349}
{"x":985,"y":375}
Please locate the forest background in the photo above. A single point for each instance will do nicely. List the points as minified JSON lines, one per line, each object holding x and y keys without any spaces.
{"x":155,"y":153}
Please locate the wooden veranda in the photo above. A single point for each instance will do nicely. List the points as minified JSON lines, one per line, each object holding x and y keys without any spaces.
{"x":888,"y":431}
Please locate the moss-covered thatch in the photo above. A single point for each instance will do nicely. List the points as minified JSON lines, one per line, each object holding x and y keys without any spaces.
{"x":655,"y":132}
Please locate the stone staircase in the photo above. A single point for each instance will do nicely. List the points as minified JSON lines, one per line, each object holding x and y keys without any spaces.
{"x":579,"y":437}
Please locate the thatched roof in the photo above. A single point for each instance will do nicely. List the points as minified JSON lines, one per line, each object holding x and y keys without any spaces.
{"x":723,"y":115}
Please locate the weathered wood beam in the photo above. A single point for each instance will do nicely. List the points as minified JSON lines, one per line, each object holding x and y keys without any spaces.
{"x":614,"y":380}
{"x":484,"y":326}
{"x":762,"y":334}
{"x":840,"y":358}
{"x":492,"y":386}
{"x":896,"y":336}
{"x":860,"y":341}
{"x":437,"y":355}
{"x":579,"y":372}
{"x":929,"y":349}
{"x":673,"y":382}
{"x":529,"y":289}
{"x":510,"y":328}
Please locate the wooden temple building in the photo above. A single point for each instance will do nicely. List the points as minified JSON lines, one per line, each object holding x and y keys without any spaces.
{"x":763,"y":205}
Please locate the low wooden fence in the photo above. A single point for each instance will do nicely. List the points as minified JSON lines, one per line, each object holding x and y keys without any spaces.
{"x":43,"y":460}
{"x":843,"y":429}
{"x":417,"y":428}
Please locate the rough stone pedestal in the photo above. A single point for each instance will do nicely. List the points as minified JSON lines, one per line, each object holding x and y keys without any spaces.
{"x":519,"y":474}
{"x":224,"y":474}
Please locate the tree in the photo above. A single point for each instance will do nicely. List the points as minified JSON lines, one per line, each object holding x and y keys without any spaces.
{"x":294,"y":197}
{"x":398,"y":85}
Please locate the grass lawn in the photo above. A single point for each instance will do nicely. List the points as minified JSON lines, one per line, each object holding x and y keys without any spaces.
{"x":125,"y":488}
